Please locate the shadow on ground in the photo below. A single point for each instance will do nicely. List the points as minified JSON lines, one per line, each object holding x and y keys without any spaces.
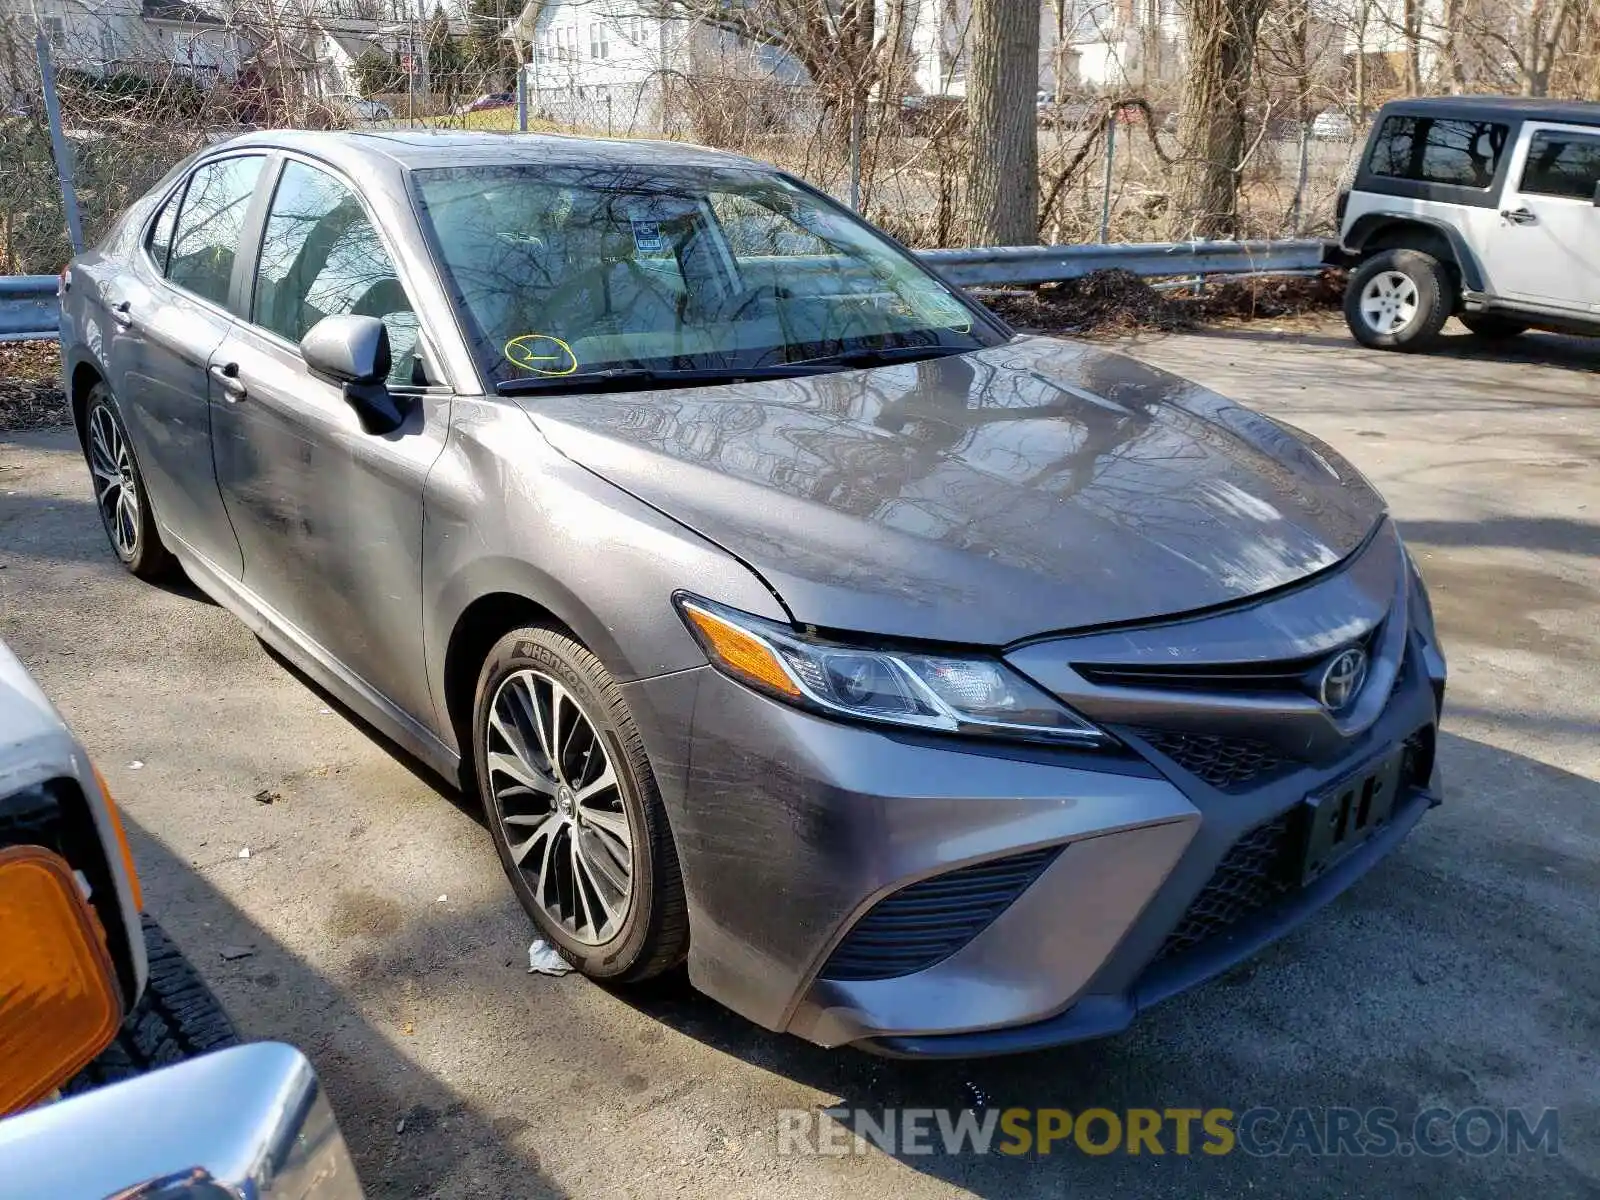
{"x":410,"y":1134}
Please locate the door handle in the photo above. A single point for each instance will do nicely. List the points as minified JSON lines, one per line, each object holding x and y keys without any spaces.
{"x":227,"y":377}
{"x":122,"y":313}
{"x":1520,"y":216}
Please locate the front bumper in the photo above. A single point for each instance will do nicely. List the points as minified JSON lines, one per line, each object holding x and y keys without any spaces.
{"x":791,"y":829}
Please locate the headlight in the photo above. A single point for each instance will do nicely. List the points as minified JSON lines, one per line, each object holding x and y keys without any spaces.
{"x":927,"y":691}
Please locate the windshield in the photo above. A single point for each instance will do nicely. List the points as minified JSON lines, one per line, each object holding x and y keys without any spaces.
{"x":570,"y":271}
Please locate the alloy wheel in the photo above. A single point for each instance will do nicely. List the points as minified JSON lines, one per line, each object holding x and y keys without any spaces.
{"x":115,"y":492}
{"x":1389,"y":301}
{"x":560,"y":806}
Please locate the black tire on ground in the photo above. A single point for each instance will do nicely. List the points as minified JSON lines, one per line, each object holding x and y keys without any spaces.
{"x":147,"y":557}
{"x":177,"y":1018}
{"x":1492,"y":327}
{"x":654,"y":936}
{"x":1434,"y":299}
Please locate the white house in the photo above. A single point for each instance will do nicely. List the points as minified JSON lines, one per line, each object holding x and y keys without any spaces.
{"x":144,"y":37}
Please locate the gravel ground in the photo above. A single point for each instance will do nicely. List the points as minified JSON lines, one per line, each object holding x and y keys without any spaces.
{"x":384,"y":942}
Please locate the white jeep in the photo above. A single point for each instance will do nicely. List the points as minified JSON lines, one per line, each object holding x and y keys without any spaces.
{"x":1485,"y":207}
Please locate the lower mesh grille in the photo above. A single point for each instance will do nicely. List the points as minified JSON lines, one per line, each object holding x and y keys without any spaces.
{"x":1250,"y":877}
{"x":1224,"y":763}
{"x":927,"y":922}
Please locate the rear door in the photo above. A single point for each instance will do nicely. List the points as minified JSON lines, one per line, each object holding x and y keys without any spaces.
{"x":329,"y":517}
{"x":1546,"y":250}
{"x":171,"y":315}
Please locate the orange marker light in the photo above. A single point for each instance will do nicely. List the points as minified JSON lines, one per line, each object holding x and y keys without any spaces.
{"x":59,"y":1004}
{"x":742,"y":653}
{"x":122,"y":841}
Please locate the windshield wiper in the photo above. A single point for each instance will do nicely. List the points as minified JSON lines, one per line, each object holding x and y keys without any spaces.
{"x":622,"y":379}
{"x":880,"y":356}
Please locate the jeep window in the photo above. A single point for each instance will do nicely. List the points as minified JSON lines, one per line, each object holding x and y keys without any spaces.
{"x":1562,"y":164}
{"x":1429,"y":150}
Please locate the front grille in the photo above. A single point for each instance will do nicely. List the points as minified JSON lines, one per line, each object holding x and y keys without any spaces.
{"x":1226,"y":763}
{"x":924,"y":924}
{"x":1298,"y":675}
{"x":1252,"y":875}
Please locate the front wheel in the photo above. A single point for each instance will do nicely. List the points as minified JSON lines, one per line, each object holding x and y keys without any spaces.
{"x":119,"y":491}
{"x":574,"y":810}
{"x":1398,"y":300}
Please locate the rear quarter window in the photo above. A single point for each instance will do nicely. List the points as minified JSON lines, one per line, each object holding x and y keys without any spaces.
{"x":1453,"y":151}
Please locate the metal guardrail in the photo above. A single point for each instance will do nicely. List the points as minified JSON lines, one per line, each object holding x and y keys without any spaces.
{"x":28,"y":302}
{"x":28,"y":307}
{"x":997,"y":266}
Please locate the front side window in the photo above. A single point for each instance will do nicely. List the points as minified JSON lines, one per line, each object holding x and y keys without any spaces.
{"x":210,"y":224}
{"x":568,"y":270}
{"x":1562,"y":164}
{"x":1432,"y":150}
{"x":321,"y":257}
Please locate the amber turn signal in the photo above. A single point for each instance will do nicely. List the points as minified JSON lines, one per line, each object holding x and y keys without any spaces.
{"x":122,"y":841}
{"x":59,"y":1004}
{"x":740,"y":651}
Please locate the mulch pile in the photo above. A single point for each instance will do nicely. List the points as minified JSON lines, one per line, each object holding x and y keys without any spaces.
{"x":30,"y":386}
{"x":1120,"y":302}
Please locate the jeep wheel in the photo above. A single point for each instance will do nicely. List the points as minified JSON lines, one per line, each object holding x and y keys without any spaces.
{"x":573,"y":808}
{"x":1492,"y":327}
{"x":1398,"y":300}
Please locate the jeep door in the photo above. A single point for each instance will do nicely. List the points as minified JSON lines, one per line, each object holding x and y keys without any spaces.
{"x":1546,"y":251}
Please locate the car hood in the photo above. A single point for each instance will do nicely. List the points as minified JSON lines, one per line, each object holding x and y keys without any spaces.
{"x":1034,"y":487}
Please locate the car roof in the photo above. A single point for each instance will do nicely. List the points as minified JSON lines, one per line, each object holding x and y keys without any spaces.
{"x":417,"y":149}
{"x":1510,"y":108}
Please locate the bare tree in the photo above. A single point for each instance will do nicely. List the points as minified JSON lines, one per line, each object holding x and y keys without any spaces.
{"x":1003,"y":178}
{"x":1222,"y":44}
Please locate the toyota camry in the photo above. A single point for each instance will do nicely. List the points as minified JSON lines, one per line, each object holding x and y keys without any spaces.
{"x":920,"y":685}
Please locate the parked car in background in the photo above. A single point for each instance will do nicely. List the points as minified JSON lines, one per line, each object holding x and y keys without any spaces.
{"x":1485,"y":207}
{"x":923,"y":686}
{"x":1333,"y":125}
{"x":488,"y":101}
{"x":362,"y":109}
{"x":97,"y":1003}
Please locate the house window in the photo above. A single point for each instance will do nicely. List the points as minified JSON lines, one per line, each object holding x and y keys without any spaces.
{"x":599,"y":48}
{"x":55,"y":29}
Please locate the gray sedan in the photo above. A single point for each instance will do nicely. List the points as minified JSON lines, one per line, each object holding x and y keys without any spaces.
{"x":920,"y":685}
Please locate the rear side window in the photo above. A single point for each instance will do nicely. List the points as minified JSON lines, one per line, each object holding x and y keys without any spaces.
{"x":209,"y":226}
{"x":1562,"y":164}
{"x":1430,"y":150}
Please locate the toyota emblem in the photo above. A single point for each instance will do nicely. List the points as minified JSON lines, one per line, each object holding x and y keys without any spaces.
{"x":1342,"y":678}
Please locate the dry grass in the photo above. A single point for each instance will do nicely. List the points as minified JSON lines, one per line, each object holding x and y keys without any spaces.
{"x":30,"y":386}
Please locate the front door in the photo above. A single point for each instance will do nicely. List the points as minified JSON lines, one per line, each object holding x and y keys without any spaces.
{"x":1546,"y":248}
{"x":329,"y":518}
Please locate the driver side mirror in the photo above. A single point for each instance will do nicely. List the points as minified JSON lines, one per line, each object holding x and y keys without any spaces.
{"x":354,"y":352}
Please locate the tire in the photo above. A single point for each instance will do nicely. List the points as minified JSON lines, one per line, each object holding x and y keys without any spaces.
{"x":177,"y":1018}
{"x":553,"y":817}
{"x":1492,"y":327}
{"x":1399,"y":300}
{"x":119,"y":492}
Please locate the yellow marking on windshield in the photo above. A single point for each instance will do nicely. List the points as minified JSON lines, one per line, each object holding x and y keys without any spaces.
{"x":541,"y":353}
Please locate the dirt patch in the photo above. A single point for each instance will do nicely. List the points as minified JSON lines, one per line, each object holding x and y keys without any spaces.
{"x":364,"y":914}
{"x":1121,"y":302}
{"x":30,"y":386}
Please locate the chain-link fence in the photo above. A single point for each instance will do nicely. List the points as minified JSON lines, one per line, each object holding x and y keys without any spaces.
{"x":1105,"y":163}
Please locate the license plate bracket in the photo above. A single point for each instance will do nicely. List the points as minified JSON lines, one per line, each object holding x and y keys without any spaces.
{"x":1342,"y":816}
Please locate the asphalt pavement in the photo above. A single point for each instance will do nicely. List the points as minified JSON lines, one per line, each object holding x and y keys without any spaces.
{"x":370,"y":924}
